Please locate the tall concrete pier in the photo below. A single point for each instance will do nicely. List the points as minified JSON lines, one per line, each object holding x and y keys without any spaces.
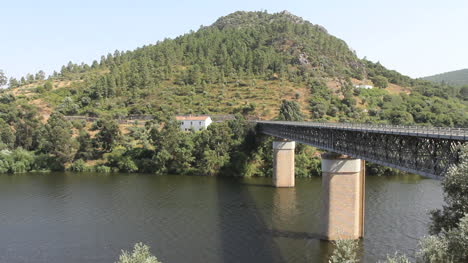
{"x":342,"y":213}
{"x":283,"y":163}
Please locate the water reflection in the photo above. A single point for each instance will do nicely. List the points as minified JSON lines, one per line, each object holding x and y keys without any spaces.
{"x":284,"y":209}
{"x":90,"y":218}
{"x":244,"y":234}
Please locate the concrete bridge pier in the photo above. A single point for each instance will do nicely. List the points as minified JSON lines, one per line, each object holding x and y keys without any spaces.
{"x":283,"y":163}
{"x":343,"y":192}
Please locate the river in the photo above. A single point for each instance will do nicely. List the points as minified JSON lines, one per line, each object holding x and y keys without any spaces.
{"x":71,"y":218}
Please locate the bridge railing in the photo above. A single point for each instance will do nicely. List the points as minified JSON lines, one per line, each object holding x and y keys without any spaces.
{"x":442,"y":132}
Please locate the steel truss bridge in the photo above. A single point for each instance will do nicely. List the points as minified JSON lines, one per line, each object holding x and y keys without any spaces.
{"x":426,"y":151}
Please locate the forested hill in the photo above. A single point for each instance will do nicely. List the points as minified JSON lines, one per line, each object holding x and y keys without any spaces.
{"x":457,"y":77}
{"x":247,"y":63}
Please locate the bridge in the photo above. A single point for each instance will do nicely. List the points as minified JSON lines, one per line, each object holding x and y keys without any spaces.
{"x":426,"y":151}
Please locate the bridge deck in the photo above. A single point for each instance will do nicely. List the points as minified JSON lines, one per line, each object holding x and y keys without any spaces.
{"x":418,"y":131}
{"x":427,"y":151}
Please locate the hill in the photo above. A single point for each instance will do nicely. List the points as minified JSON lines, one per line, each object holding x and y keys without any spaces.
{"x":245,"y":62}
{"x":457,"y":77}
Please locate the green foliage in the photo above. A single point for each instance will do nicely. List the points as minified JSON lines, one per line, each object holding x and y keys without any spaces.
{"x":457,"y":77}
{"x":449,"y":228}
{"x":173,"y":148}
{"x":376,"y":69}
{"x":68,"y":107}
{"x":102,"y":169}
{"x":48,"y":86}
{"x":7,"y":137}
{"x":448,"y":246}
{"x":3,"y":78}
{"x":16,"y":161}
{"x":140,"y":254}
{"x":108,"y":134}
{"x":380,"y":81}
{"x":86,"y":149}
{"x":307,"y":163}
{"x":57,"y":140}
{"x":397,"y":258}
{"x":345,"y":251}
{"x":455,"y":185}
{"x":80,"y":166}
{"x":118,"y":159}
{"x":290,"y":111}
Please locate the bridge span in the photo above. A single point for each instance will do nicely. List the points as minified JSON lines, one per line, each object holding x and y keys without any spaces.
{"x":426,"y":151}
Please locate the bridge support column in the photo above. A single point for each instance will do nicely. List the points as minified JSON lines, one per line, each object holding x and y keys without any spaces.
{"x":283,"y":163}
{"x":342,"y":197}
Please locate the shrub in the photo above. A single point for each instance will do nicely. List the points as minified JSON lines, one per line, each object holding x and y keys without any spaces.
{"x":103,"y":169}
{"x":449,"y":246}
{"x":345,"y":251}
{"x":118,"y":159}
{"x":140,"y":254}
{"x":455,"y":186}
{"x":17,"y":161}
{"x":78,"y":166}
{"x":397,"y":258}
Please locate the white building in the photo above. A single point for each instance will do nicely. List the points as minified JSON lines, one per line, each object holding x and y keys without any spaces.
{"x":193,"y":122}
{"x":362,"y":86}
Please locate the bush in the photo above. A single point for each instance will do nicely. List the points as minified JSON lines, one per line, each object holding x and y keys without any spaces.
{"x":118,"y":159}
{"x":80,"y":166}
{"x":449,"y":246}
{"x":345,"y":251}
{"x":380,"y":81}
{"x":397,"y":258}
{"x":17,"y":161}
{"x":455,"y":186}
{"x":103,"y":169}
{"x":140,"y":254}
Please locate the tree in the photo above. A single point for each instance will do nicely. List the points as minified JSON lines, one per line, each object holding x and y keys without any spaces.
{"x":380,"y":81}
{"x":16,"y":161}
{"x":48,"y":85}
{"x":108,"y":134}
{"x":455,"y":185}
{"x":449,"y":227}
{"x":449,"y":246}
{"x":290,"y":111}
{"x":399,"y":117}
{"x":140,"y":254}
{"x":120,"y":159}
{"x":29,"y":78}
{"x":213,"y":148}
{"x":57,"y":140}
{"x":6,"y":134}
{"x":3,"y":78}
{"x":40,"y":75}
{"x":173,"y":148}
{"x":13,"y":83}
{"x":85,"y":149}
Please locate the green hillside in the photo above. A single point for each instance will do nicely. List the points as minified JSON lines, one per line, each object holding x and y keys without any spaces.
{"x":457,"y":77}
{"x":246,"y":62}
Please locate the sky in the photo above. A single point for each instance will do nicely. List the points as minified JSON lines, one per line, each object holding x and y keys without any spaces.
{"x":417,"y":38}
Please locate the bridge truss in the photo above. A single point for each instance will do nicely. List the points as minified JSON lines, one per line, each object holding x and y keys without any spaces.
{"x":421,"y":150}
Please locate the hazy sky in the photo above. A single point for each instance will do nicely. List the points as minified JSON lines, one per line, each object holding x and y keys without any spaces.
{"x":414,"y":37}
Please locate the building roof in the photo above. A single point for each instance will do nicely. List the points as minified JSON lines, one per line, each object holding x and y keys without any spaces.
{"x":192,"y":118}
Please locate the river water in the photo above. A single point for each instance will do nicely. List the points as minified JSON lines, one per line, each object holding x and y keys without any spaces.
{"x":90,"y":218}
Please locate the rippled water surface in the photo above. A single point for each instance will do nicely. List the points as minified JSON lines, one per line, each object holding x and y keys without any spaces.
{"x":90,"y":218}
